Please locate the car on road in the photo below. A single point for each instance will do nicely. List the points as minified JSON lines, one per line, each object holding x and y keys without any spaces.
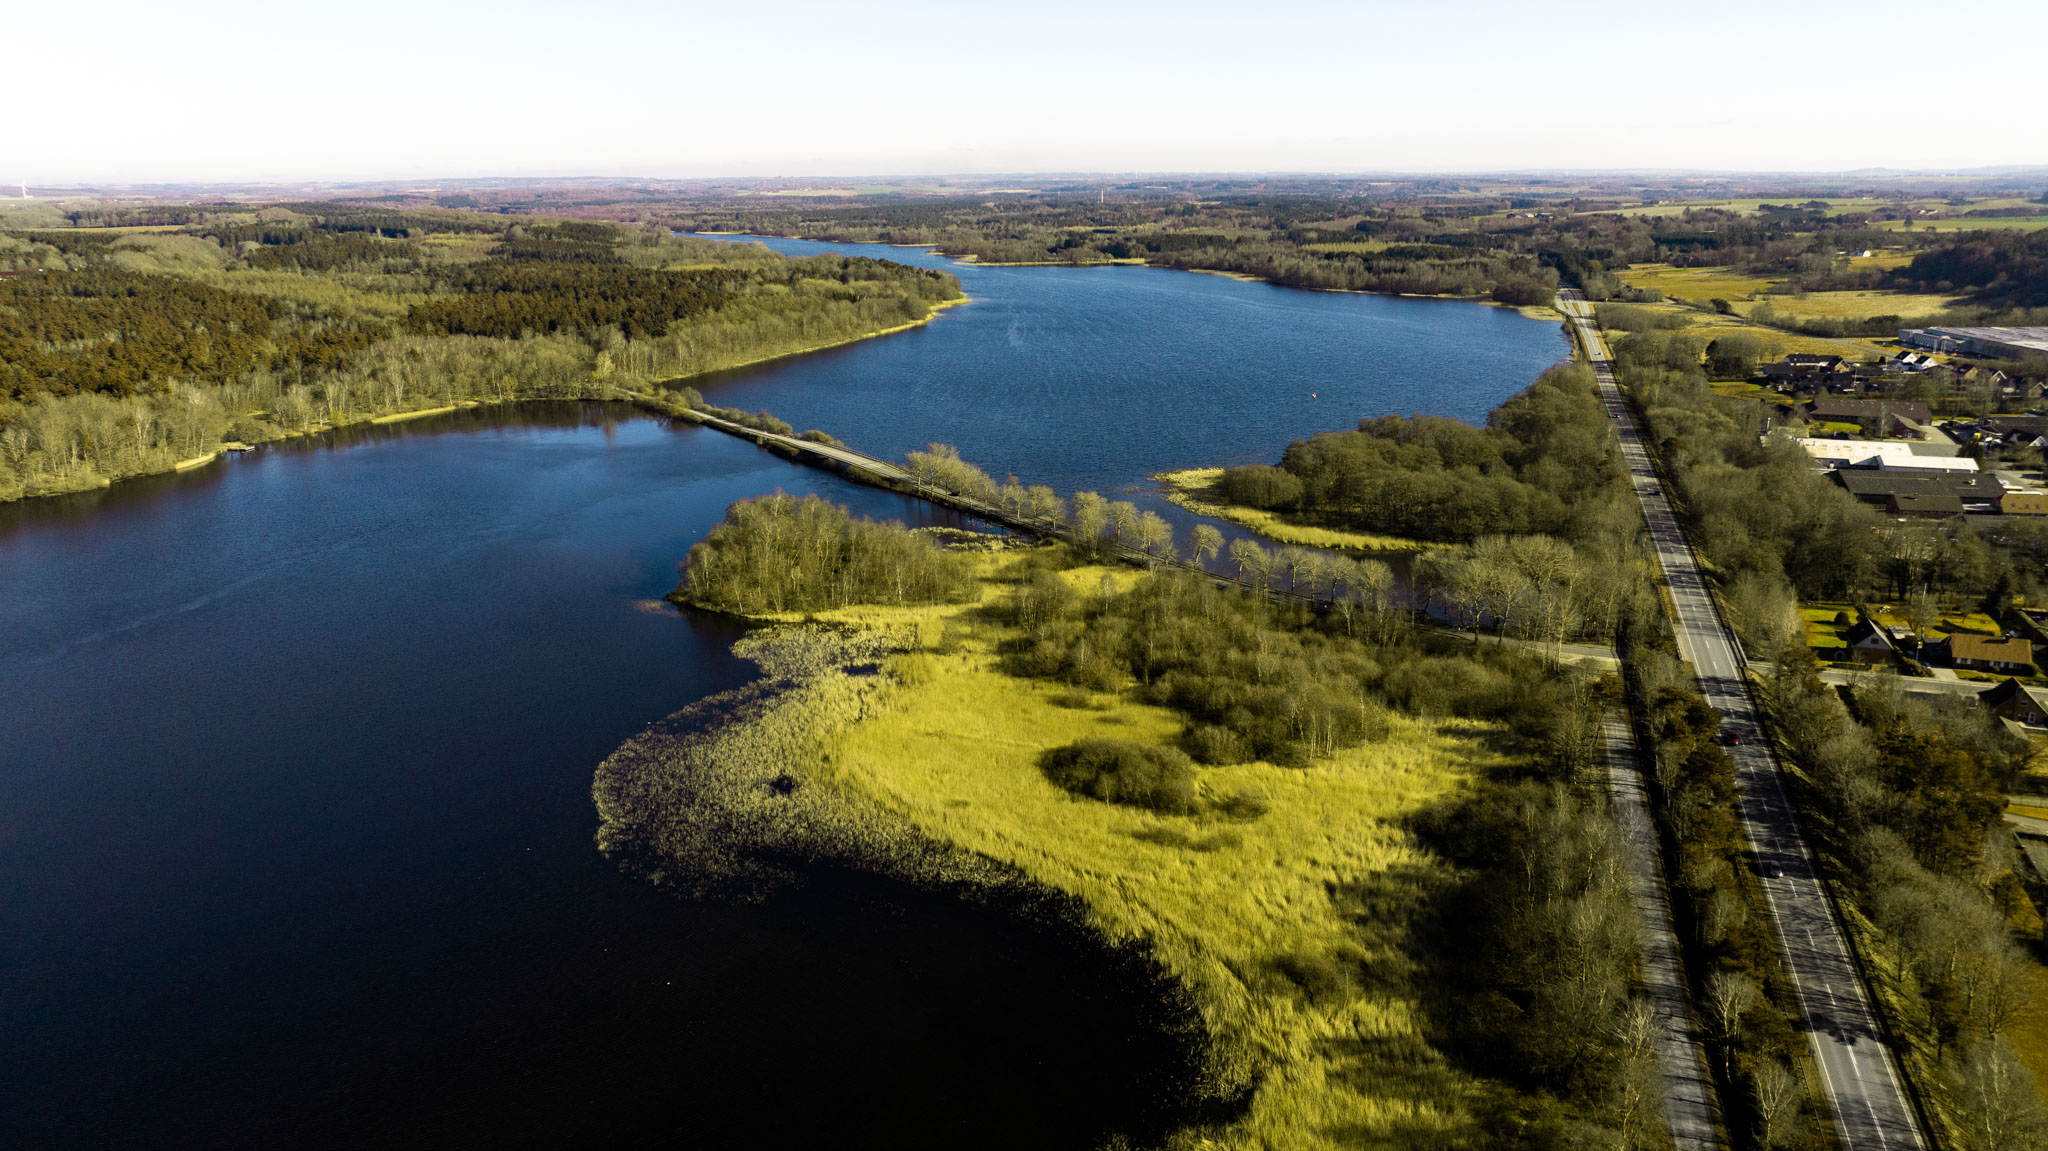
{"x":1731,"y":737}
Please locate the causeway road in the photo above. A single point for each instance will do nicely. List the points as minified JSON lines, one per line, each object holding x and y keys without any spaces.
{"x":1857,"y":1070}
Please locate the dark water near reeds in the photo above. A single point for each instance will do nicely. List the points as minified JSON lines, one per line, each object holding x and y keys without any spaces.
{"x":295,"y":755}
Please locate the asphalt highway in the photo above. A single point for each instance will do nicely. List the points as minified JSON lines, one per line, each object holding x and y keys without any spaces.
{"x":1689,"y":1108}
{"x":1863,"y":1087}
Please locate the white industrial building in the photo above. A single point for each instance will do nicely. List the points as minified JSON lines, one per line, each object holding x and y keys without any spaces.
{"x":2000,"y":343}
{"x":1888,"y":455}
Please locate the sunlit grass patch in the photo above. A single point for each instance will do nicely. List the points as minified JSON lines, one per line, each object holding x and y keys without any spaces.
{"x":1193,"y":489}
{"x":1851,"y":305}
{"x":1699,"y":285}
{"x":1288,"y":928}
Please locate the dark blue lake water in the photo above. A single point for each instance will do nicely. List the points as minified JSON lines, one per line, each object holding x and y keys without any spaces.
{"x":295,"y":753}
{"x":1093,"y":379}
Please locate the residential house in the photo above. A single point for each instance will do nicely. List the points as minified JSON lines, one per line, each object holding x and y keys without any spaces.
{"x":2015,"y":429}
{"x":2018,"y":702}
{"x":1870,"y":642}
{"x":1985,"y":653}
{"x":1799,"y":366}
{"x":1976,"y":377}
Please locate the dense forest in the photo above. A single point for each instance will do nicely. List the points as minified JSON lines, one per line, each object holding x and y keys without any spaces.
{"x":123,"y":353}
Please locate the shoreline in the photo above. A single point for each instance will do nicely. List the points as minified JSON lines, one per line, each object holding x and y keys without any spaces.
{"x":1542,"y":312}
{"x":196,"y":463}
{"x":1189,"y":489}
{"x":941,"y":751}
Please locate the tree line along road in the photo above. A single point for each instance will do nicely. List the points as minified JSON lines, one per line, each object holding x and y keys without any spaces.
{"x":1857,"y":1069}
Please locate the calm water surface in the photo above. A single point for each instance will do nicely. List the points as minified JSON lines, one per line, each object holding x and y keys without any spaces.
{"x":295,"y":754}
{"x":1093,"y":379}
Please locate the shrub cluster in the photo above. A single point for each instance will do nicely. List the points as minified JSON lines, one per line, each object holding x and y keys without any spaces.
{"x":1542,"y":453}
{"x":780,"y":553}
{"x":1159,"y":779}
{"x":1256,"y":680}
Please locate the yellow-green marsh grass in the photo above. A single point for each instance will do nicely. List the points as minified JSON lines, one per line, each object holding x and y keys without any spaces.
{"x":951,"y":746}
{"x":1194,"y":489}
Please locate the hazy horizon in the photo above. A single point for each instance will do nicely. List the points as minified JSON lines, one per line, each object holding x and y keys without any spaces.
{"x":237,"y":92}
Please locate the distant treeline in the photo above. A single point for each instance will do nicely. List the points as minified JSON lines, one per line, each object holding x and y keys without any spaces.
{"x":124,"y":353}
{"x":2003,"y":269}
{"x":1511,"y":249}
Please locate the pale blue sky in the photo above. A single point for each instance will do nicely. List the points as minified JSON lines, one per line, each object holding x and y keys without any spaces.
{"x":118,"y":90}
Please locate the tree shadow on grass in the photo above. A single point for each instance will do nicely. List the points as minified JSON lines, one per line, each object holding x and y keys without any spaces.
{"x":1424,"y":1101}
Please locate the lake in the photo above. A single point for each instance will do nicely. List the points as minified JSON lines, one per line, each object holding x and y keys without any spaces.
{"x":295,"y":755}
{"x":1096,"y":378}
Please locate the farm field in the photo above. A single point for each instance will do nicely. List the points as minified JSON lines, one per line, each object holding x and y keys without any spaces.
{"x":1998,"y":223}
{"x":1701,"y":285}
{"x":1707,"y":325}
{"x":1852,"y":305}
{"x":1696,"y":284}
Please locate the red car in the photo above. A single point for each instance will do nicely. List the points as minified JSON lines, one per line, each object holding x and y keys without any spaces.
{"x":1731,"y":737}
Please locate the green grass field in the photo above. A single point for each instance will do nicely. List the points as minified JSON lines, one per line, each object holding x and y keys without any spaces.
{"x":952,"y":748}
{"x":1698,"y":285}
{"x":1703,"y":285}
{"x":1950,"y":623}
{"x":1821,"y":628}
{"x":1852,"y":305}
{"x":1743,"y":390}
{"x":1776,"y":343}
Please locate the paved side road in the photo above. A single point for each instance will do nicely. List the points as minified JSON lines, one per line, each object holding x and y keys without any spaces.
{"x":1856,"y":1068}
{"x":1689,"y":1107}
